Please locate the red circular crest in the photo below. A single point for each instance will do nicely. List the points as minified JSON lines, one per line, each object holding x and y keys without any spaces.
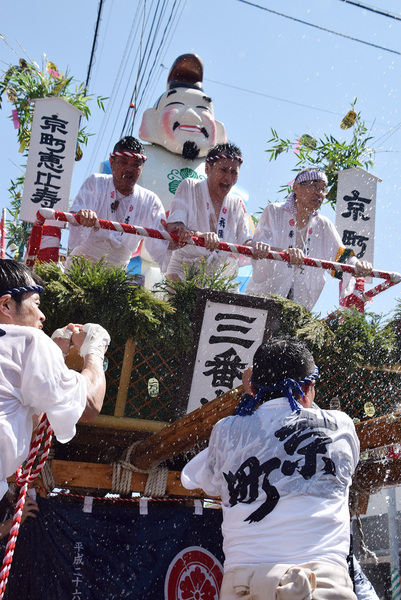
{"x":194,"y":574}
{"x":292,"y":222}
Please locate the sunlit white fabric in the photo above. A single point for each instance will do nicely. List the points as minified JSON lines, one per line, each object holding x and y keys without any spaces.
{"x":191,"y":206}
{"x":277,"y":227}
{"x":34,"y":379}
{"x":310,"y":520}
{"x":142,"y":208}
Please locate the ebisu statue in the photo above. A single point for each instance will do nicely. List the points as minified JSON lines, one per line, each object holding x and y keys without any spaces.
{"x":181,"y":129}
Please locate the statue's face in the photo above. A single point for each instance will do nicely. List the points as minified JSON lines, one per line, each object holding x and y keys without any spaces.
{"x":182,"y":115}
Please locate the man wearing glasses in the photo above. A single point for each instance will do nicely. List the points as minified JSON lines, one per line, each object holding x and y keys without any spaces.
{"x":297,"y":227}
{"x":117,"y":197}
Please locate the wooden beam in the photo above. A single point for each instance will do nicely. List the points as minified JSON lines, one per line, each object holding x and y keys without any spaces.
{"x":369,"y":478}
{"x":98,"y":477}
{"x":372,"y":476}
{"x":125,"y":424}
{"x":125,"y":378}
{"x":379,"y":432}
{"x":393,"y":369}
{"x":184,"y":434}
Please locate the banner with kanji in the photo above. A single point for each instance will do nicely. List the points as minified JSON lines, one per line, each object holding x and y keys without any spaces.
{"x":51,"y":157}
{"x":356,"y":211}
{"x":170,"y":553}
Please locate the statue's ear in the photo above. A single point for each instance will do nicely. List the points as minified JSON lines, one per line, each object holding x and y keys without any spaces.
{"x":221,"y":136}
{"x":147,"y":128}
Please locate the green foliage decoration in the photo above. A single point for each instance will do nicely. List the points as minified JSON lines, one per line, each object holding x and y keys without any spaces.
{"x":182,"y":296}
{"x":25,"y":82}
{"x":345,"y":340}
{"x":22,"y":84}
{"x":395,"y":326}
{"x":327,"y":153}
{"x":95,"y":292}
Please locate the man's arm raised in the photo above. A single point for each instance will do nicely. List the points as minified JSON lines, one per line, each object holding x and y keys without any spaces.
{"x":92,"y":342}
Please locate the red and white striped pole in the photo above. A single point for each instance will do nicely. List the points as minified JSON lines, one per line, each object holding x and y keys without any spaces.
{"x":47,"y":213}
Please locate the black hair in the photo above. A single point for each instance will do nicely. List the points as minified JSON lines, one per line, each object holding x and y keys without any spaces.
{"x":129,"y":143}
{"x":226,"y":148}
{"x":279,"y":358}
{"x":15,"y":274}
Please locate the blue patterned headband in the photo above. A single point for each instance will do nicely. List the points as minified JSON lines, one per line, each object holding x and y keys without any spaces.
{"x":22,"y":290}
{"x":287,"y":386}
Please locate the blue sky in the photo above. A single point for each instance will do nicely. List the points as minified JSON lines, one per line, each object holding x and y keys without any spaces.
{"x":262,"y":70}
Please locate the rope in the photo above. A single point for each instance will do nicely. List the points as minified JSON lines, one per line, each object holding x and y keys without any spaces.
{"x":366,"y":553}
{"x":47,"y":474}
{"x":122,"y":472}
{"x":24,"y":289}
{"x":23,"y":477}
{"x":47,"y":213}
{"x":134,"y":500}
{"x":156,"y":483}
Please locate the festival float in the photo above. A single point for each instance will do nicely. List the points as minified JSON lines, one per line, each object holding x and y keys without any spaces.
{"x":114,"y":518}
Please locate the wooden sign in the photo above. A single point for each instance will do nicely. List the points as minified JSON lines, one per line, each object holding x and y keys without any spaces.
{"x":229,"y":329}
{"x":356,"y":211}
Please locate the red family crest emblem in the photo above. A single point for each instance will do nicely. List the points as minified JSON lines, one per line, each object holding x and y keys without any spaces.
{"x":194,"y":574}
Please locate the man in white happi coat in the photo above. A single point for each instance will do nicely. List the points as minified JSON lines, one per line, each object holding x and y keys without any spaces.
{"x":297,"y":228}
{"x":34,"y":378}
{"x":117,"y":197}
{"x":283,"y":470}
{"x":209,"y":210}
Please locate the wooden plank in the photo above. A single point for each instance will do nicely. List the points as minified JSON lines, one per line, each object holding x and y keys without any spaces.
{"x":99,"y":477}
{"x":369,"y":478}
{"x":373,"y":476}
{"x":124,"y":424}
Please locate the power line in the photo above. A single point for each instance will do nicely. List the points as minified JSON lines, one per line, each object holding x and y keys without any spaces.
{"x":236,"y":87}
{"x":156,"y":75}
{"x":92,"y":57}
{"x":384,"y":137}
{"x":156,"y":56}
{"x":372,"y":9}
{"x":349,"y":37}
{"x":119,"y":80}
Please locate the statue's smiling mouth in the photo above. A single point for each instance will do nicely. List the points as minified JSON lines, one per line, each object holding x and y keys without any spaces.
{"x":190,"y":128}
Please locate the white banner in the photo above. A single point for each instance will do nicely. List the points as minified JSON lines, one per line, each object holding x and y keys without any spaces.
{"x":356,"y":211}
{"x":51,"y":157}
{"x":229,"y":337}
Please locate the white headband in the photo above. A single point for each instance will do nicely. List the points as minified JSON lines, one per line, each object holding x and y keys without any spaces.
{"x":314,"y":175}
